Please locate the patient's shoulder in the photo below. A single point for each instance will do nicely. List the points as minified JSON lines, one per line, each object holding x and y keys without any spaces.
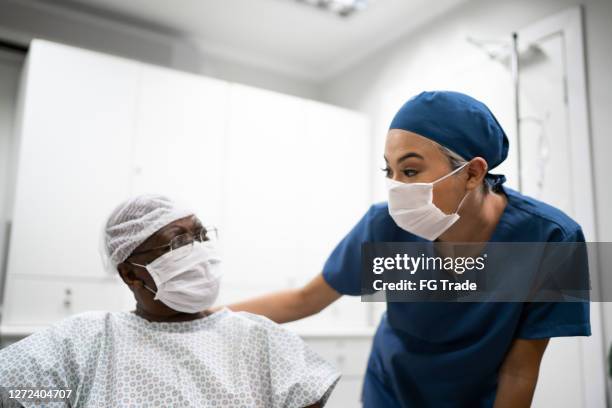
{"x":253,"y":318}
{"x":297,"y":375}
{"x":85,"y":319}
{"x":259,"y":331}
{"x":61,"y":339}
{"x":90,"y":317}
{"x":82,"y":326}
{"x":251,"y":321}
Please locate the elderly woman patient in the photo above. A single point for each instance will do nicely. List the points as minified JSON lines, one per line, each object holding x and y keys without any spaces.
{"x":171,"y":351}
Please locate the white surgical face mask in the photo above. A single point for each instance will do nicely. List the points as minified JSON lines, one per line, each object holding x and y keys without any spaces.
{"x":411,"y":207}
{"x":187,"y":279}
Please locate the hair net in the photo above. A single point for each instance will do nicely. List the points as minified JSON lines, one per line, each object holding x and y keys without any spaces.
{"x":132,"y":222}
{"x":457,"y":122}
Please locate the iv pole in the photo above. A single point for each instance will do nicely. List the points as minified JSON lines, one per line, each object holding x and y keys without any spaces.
{"x":515,"y":80}
{"x":503,"y":56}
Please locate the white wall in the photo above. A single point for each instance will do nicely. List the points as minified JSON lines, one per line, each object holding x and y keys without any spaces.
{"x":21,"y":21}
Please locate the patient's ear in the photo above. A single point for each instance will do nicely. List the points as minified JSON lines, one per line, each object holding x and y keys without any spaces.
{"x":127,"y":274}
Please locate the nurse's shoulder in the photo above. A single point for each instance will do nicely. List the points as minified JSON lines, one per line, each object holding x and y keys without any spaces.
{"x":549,"y":220}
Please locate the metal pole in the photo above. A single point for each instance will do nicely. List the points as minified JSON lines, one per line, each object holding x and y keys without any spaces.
{"x":515,"y":79}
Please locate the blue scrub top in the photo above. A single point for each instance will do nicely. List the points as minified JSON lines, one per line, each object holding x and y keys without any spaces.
{"x":448,"y":354}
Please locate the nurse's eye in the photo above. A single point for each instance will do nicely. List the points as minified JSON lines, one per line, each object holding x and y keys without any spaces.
{"x":410,"y":172}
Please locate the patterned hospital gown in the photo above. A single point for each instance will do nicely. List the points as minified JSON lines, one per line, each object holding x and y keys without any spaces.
{"x":228,"y":359}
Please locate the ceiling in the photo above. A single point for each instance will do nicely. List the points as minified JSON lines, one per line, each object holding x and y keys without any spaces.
{"x":286,"y":36}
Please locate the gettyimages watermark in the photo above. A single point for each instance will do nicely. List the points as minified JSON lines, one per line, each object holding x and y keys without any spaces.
{"x":484,"y":272}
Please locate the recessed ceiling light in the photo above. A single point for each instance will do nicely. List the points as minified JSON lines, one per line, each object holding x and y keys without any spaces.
{"x":343,"y":8}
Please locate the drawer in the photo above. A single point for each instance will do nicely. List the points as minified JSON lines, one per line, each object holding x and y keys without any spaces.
{"x":346,"y":394}
{"x":41,"y":300}
{"x":349,"y":354}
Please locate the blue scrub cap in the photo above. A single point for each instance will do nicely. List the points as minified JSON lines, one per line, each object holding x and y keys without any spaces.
{"x":459,"y":123}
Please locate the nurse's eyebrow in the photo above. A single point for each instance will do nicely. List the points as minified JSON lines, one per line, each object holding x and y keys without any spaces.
{"x":409,"y":155}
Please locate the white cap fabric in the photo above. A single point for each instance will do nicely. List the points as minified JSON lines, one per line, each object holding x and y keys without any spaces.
{"x":132,"y":222}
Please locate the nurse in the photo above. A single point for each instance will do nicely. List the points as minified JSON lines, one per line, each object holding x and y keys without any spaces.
{"x":441,"y":354}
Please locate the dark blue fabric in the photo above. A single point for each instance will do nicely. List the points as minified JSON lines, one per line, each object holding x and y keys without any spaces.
{"x":458,"y":122}
{"x":448,"y":354}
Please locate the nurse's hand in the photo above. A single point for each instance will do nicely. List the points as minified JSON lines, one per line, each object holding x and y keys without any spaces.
{"x":291,"y":304}
{"x":518,"y":375}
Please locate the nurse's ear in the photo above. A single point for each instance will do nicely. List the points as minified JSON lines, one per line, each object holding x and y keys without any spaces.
{"x":476,"y":172}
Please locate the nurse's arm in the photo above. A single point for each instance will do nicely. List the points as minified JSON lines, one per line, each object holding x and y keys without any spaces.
{"x":518,"y":375}
{"x":291,"y":304}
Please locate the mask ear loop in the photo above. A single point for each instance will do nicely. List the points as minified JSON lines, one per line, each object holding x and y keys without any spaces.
{"x":143,"y":284}
{"x":466,"y":194}
{"x":149,"y":289}
{"x":461,"y":202}
{"x":451,"y":173}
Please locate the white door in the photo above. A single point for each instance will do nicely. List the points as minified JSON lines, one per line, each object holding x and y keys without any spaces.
{"x":556,"y":169}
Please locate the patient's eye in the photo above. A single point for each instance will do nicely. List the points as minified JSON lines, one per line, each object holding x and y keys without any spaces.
{"x":181,"y":240}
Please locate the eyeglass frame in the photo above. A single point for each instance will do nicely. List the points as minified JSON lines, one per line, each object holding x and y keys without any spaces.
{"x":203,"y":235}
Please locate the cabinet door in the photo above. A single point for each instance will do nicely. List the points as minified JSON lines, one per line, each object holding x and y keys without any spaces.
{"x":74,"y":158}
{"x":179,"y":143}
{"x":348,"y":353}
{"x":296,"y":182}
{"x":41,"y":300}
{"x":263,"y":208}
{"x":335,"y":187}
{"x":334,"y":194}
{"x":350,"y":356}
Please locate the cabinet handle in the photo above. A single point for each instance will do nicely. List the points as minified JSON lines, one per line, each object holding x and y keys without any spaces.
{"x":67,"y":298}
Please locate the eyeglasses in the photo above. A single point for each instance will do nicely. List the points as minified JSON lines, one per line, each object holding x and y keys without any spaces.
{"x":209,"y":234}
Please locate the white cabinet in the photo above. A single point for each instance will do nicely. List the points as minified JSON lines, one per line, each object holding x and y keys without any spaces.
{"x":262,"y":189}
{"x":283,"y":178}
{"x":74,"y":158}
{"x":179,"y":139}
{"x":334,"y":188}
{"x":347,"y":393}
{"x":38,"y":300}
{"x":296,"y":183}
{"x":350,"y":355}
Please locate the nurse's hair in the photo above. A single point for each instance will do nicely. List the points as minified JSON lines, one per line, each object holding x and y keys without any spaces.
{"x":457,"y":161}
